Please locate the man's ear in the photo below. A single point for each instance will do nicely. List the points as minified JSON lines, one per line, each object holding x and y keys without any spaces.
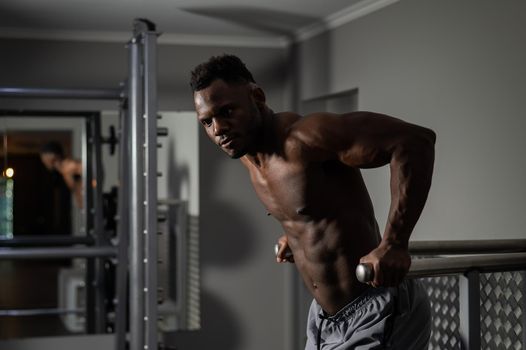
{"x":258,"y":95}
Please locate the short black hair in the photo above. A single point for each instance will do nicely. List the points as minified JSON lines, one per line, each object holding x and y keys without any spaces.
{"x":53,"y":148}
{"x":228,"y":68}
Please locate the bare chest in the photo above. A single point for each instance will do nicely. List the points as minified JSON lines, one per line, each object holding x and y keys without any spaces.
{"x":294,"y":190}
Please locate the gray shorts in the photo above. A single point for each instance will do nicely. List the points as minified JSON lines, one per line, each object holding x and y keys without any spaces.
{"x":381,"y":318}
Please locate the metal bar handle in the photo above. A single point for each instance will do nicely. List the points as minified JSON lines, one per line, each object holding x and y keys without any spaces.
{"x":429,"y":267}
{"x":484,"y":246}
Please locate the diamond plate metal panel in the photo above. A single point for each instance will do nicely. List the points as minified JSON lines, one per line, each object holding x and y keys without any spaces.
{"x":502,"y":310}
{"x":443,"y":295}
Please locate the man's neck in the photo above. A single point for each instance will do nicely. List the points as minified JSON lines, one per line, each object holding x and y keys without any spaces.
{"x":265,"y":145}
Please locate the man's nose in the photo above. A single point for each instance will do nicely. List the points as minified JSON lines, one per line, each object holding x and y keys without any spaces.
{"x":220,"y":127}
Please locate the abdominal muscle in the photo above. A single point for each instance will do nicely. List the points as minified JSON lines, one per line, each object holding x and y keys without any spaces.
{"x":326,"y":255}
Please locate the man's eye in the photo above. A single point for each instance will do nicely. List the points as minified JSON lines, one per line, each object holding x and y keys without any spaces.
{"x":228,"y":111}
{"x":206,"y":122}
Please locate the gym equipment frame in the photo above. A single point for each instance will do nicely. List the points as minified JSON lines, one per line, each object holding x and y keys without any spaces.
{"x":137,"y":198}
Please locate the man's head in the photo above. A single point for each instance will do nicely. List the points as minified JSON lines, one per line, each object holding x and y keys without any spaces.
{"x":229,"y":104}
{"x":51,"y":154}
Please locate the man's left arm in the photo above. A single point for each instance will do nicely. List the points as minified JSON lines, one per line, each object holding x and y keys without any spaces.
{"x":370,"y":140}
{"x":411,"y":168}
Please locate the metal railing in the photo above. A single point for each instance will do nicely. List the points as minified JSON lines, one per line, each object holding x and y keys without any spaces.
{"x":467,"y":247}
{"x":429,"y":267}
{"x":465,"y":259}
{"x":499,"y":255}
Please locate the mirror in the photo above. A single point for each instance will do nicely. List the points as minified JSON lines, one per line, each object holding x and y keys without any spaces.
{"x":41,"y":205}
{"x":37,"y":209}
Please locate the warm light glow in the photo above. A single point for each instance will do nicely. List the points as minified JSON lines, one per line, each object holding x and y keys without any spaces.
{"x":9,"y":172}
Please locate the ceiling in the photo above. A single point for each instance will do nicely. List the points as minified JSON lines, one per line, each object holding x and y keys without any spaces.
{"x":271,"y":21}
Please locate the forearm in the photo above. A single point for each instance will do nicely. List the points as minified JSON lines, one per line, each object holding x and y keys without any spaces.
{"x":411,"y":173}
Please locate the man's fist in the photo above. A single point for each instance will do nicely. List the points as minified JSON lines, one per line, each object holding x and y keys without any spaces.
{"x":283,"y":252}
{"x":390,"y":263}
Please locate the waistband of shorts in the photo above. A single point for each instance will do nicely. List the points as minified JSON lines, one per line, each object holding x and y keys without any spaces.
{"x":353,"y":306}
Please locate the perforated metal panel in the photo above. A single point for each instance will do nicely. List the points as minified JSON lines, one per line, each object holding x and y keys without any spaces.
{"x":193,"y":279}
{"x":502,"y":311}
{"x":443,"y":295}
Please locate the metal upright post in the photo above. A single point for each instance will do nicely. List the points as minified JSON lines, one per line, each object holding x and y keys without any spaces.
{"x":150,"y":174}
{"x":121,"y":309}
{"x":469,"y":303}
{"x":136,"y":154}
{"x":99,"y":282}
{"x":142,"y":104}
{"x":88,"y":222}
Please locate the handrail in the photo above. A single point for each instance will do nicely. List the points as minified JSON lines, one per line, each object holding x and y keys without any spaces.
{"x":467,"y":247}
{"x":429,"y":267}
{"x":57,"y":252}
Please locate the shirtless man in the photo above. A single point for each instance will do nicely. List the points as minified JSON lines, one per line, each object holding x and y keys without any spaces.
{"x":52,"y":155}
{"x":306,"y":172}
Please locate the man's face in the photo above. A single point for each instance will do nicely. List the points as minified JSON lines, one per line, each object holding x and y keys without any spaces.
{"x":229,"y":115}
{"x":49,"y":160}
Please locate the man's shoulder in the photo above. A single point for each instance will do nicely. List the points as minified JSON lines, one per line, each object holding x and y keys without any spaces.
{"x":311,"y":129}
{"x":306,"y":136}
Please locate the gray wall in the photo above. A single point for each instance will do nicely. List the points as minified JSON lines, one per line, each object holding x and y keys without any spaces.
{"x":41,"y":63}
{"x":459,"y":68}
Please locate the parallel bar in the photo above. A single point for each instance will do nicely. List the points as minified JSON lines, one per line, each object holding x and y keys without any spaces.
{"x":429,"y":267}
{"x":151,"y":254}
{"x":39,"y":312}
{"x":136,"y":199}
{"x":80,"y":94}
{"x":468,"y":247}
{"x":57,"y":253}
{"x":45,"y":241}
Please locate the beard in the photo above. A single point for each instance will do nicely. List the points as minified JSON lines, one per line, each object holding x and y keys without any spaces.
{"x":236,"y":152}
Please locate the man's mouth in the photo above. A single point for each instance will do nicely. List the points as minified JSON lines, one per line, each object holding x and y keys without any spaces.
{"x":226,"y":142}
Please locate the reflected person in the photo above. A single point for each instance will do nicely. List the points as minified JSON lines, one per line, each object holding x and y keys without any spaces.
{"x":52,"y":155}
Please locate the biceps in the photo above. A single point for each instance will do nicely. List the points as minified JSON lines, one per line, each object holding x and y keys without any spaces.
{"x":365,"y":155}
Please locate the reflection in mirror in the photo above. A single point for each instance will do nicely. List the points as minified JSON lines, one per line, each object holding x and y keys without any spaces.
{"x":35,"y":202}
{"x":178,"y":193}
{"x":53,"y":195}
